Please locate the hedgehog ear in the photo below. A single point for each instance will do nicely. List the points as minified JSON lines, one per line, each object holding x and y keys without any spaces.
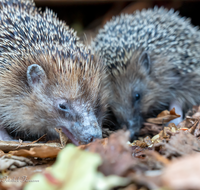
{"x":36,"y":76}
{"x":145,"y":61}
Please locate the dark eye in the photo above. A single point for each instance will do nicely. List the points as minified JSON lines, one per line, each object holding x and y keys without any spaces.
{"x":62,"y":107}
{"x":137,"y":96}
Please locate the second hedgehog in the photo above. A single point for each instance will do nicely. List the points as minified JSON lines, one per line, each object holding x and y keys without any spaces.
{"x":47,"y":78}
{"x":153,"y":59}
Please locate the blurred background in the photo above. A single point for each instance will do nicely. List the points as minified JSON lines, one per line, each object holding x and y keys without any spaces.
{"x":86,"y":17}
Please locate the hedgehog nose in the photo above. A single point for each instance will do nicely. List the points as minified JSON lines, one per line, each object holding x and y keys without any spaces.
{"x":94,"y":133}
{"x":132,"y":129}
{"x":133,"y":135}
{"x":90,"y":139}
{"x":93,"y":138}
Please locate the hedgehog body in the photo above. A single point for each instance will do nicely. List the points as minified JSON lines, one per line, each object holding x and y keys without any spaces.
{"x":48,"y":78}
{"x":153,"y":58}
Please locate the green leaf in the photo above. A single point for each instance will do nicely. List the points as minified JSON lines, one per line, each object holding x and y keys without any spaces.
{"x":74,"y":169}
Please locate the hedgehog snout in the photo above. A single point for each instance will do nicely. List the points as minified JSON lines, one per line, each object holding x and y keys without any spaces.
{"x":86,"y":132}
{"x":133,"y":129}
{"x":91,"y":132}
{"x":92,"y":138}
{"x":133,"y":125}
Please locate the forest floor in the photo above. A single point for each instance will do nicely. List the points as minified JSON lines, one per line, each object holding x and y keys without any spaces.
{"x":167,"y":161}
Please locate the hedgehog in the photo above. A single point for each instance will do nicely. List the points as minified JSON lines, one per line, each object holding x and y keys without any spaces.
{"x":48,"y":78}
{"x":153,"y":59}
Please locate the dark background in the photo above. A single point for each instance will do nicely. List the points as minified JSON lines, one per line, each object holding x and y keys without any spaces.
{"x":87,"y":16}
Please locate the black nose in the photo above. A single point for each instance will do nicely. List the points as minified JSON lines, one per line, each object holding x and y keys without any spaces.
{"x":134,"y":129}
{"x":89,"y":139}
{"x":93,"y":138}
{"x":133,"y":135}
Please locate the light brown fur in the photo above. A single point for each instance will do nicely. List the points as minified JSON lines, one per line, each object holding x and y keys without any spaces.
{"x":44,"y":67}
{"x":31,"y":111}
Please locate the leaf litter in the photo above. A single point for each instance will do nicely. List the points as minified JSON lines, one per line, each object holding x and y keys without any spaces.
{"x":167,"y":160}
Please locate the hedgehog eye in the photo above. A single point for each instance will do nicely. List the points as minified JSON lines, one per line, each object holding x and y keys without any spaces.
{"x":137,"y":96}
{"x":62,"y":107}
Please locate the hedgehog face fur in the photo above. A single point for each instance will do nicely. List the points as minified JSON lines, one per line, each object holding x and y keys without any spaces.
{"x":172,"y":45}
{"x":146,"y":87}
{"x":47,"y":78}
{"x":135,"y":91}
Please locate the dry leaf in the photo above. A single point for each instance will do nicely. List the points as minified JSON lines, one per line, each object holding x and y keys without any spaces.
{"x":190,"y":122}
{"x":40,"y":152}
{"x":148,"y":140}
{"x":12,"y":162}
{"x":116,"y":154}
{"x":1,"y":153}
{"x":63,"y":137}
{"x":197,"y":130}
{"x":180,"y":144}
{"x":103,"y":142}
{"x":158,"y":157}
{"x":139,"y":143}
{"x":164,"y":117}
{"x":150,"y":128}
{"x":7,"y":146}
{"x":183,"y":173}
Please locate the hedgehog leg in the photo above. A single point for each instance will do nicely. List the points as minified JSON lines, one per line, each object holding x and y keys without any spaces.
{"x":178,"y":109}
{"x":4,"y":136}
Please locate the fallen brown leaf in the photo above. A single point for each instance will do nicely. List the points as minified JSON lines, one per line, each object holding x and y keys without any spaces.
{"x":164,"y":117}
{"x":197,"y":130}
{"x":196,"y":112}
{"x":103,"y":142}
{"x":116,"y":155}
{"x":150,"y":128}
{"x":63,"y":137}
{"x":180,"y":144}
{"x":188,"y":122}
{"x":40,"y":152}
{"x":139,"y":152}
{"x":7,"y":146}
{"x":158,"y":157}
{"x":1,"y":153}
{"x":147,"y":140}
{"x":12,"y":162}
{"x":183,"y":173}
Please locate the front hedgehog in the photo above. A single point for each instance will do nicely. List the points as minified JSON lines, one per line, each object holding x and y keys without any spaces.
{"x":153,"y":59}
{"x":47,"y":78}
